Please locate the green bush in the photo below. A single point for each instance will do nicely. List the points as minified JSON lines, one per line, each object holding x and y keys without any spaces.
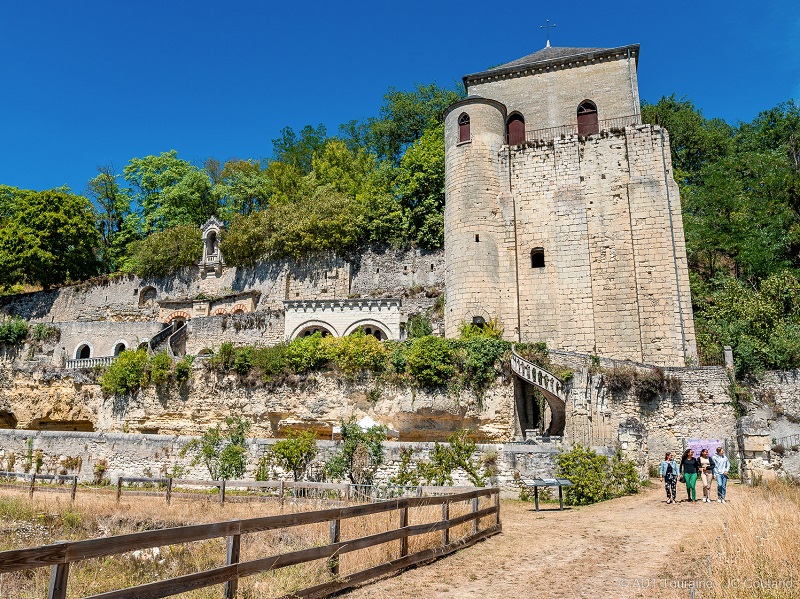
{"x":13,"y":331}
{"x":125,"y":374}
{"x":222,"y":451}
{"x":491,"y":329}
{"x":167,"y":251}
{"x":224,"y":359}
{"x":360,"y":455}
{"x":243,"y":360}
{"x":430,"y":361}
{"x":270,"y":361}
{"x":357,"y":352}
{"x":183,"y":369}
{"x":419,"y":325}
{"x":45,"y":332}
{"x":293,"y":454}
{"x":307,"y":353}
{"x":158,"y":369}
{"x":595,"y":477}
{"x":481,"y":355}
{"x":444,"y":459}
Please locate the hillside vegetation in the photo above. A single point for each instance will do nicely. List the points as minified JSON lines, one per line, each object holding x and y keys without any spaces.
{"x":381,"y":181}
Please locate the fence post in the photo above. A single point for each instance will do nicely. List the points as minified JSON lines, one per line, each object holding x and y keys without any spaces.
{"x":30,"y":489}
{"x":222,"y":491}
{"x":419,"y":490}
{"x":280,"y":493}
{"x":336,"y":536}
{"x":497,"y":508}
{"x":446,"y":518}
{"x":403,"y":524}
{"x":475,"y":509}
{"x":58,"y":580}
{"x":234,"y":545}
{"x":74,"y":488}
{"x":348,"y":493}
{"x":168,"y":494}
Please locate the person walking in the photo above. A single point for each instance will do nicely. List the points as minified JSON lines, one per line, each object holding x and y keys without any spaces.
{"x":690,"y":466}
{"x":722,"y":466}
{"x":668,"y":473}
{"x":706,"y":473}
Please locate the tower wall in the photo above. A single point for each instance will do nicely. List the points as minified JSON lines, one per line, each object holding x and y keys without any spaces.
{"x":479,"y":221}
{"x":551,"y":97}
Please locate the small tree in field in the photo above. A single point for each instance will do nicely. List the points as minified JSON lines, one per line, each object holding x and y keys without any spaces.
{"x":361,"y":454}
{"x":222,"y":452}
{"x":293,"y":454}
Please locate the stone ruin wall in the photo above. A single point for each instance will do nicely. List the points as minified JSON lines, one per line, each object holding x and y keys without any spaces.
{"x":111,"y":310}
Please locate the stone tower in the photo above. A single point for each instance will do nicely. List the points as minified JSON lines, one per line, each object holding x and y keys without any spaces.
{"x":562,"y":216}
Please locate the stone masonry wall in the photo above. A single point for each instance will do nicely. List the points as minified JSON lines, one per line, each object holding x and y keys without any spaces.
{"x":264,"y":327}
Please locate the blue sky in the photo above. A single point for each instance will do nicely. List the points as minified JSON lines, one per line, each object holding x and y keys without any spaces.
{"x":90,"y":83}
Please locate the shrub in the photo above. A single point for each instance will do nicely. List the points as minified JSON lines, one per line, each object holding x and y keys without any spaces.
{"x":430,"y":361}
{"x":293,"y":454}
{"x":595,"y":477}
{"x":491,"y":329}
{"x":125,"y":374}
{"x":619,"y":378}
{"x":167,"y":251}
{"x":271,"y":361}
{"x":223,"y":360}
{"x":481,"y":355}
{"x":223,"y":452}
{"x":307,"y":353}
{"x":99,"y":470}
{"x":243,"y":360}
{"x":158,"y":369}
{"x":357,"y":352}
{"x":361,"y":453}
{"x":419,"y":325}
{"x":444,"y":459}
{"x":13,"y":331}
{"x":183,"y":369}
{"x":45,"y":332}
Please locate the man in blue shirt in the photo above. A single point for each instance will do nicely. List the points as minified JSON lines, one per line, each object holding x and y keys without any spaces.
{"x":721,"y":467}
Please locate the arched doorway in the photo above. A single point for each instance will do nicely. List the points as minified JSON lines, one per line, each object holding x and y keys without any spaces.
{"x":515,"y":129}
{"x":119,"y":348}
{"x":587,"y":118}
{"x":84,"y":352}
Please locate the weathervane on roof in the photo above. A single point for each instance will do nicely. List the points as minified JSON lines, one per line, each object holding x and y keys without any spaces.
{"x":547,"y":28}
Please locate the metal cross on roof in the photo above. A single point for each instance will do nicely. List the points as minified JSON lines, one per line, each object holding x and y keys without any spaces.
{"x":547,"y":28}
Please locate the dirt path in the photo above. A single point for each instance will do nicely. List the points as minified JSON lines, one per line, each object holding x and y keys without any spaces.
{"x":612,"y":549}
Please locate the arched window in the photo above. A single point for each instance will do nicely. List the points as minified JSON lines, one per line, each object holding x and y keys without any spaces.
{"x":587,"y":118}
{"x":515,"y":130}
{"x":479,"y":321}
{"x":119,"y":348}
{"x":83,"y":352}
{"x":463,"y":128}
{"x":537,"y":258}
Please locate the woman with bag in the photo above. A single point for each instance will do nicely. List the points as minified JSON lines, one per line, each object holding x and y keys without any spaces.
{"x":706,"y":474}
{"x":668,"y":473}
{"x":690,"y":466}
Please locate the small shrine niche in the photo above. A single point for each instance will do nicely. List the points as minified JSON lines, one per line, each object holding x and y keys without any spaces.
{"x":212,"y":260}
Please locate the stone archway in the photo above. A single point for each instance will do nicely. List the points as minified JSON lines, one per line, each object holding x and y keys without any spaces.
{"x":310,"y":327}
{"x":370,"y":327}
{"x":179,"y":315}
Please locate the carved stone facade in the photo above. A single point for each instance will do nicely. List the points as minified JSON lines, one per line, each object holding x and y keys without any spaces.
{"x":575,"y":240}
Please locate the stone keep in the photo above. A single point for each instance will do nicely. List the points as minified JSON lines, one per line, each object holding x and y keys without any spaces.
{"x":562,"y":216}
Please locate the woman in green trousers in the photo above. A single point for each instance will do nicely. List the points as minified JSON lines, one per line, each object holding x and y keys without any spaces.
{"x":690,"y":467}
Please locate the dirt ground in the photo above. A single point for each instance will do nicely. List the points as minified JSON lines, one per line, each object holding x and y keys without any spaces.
{"x":624,"y":548}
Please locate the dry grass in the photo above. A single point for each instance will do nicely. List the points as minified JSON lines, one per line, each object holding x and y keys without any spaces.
{"x":751,"y":550}
{"x":51,"y":517}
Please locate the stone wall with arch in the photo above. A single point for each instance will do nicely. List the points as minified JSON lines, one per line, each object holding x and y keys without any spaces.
{"x":102,"y":338}
{"x":342,"y":317}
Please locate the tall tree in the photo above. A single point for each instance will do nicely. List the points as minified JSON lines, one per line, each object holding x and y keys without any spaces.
{"x":113,"y":205}
{"x":298,"y":150}
{"x":50,"y":238}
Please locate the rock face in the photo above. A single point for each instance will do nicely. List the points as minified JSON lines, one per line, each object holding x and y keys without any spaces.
{"x":49,"y":400}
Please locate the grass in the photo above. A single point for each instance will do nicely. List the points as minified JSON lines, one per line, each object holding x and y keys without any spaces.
{"x":753,"y":550}
{"x":50,"y":517}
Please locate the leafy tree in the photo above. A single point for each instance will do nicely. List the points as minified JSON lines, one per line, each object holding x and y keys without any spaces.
{"x":444,"y":459}
{"x":419,"y":325}
{"x":242,"y":187}
{"x":222,"y":451}
{"x":298,"y":150}
{"x":164,"y":252}
{"x":420,"y":186}
{"x":361,"y":453}
{"x":113,"y":205}
{"x":49,"y":239}
{"x":430,"y":361}
{"x":294,"y":453}
{"x":125,"y":374}
{"x":170,"y":191}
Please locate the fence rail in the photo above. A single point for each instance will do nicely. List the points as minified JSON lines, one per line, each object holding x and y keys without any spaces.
{"x":88,"y":362}
{"x":43,"y":477}
{"x":59,"y":556}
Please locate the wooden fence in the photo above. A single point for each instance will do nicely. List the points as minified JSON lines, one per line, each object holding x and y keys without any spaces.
{"x":33,"y":477}
{"x":60,"y":555}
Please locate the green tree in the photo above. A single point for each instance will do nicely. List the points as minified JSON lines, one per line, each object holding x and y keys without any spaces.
{"x":360,"y":455}
{"x":165,"y":252}
{"x":222,"y":451}
{"x":113,"y":205}
{"x":170,"y":191}
{"x":49,"y":239}
{"x":298,"y":150}
{"x":243,"y":187}
{"x":294,"y":453}
{"x":430,"y":361}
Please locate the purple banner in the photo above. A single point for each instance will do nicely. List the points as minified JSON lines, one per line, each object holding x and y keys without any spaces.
{"x":699,"y":444}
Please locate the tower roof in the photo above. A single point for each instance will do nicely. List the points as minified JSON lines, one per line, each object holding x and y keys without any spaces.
{"x":552,"y":56}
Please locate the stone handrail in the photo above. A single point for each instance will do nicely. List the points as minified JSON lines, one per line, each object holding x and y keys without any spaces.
{"x":160,"y":336}
{"x":537,"y":376}
{"x":89,"y":362}
{"x":175,"y":339}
